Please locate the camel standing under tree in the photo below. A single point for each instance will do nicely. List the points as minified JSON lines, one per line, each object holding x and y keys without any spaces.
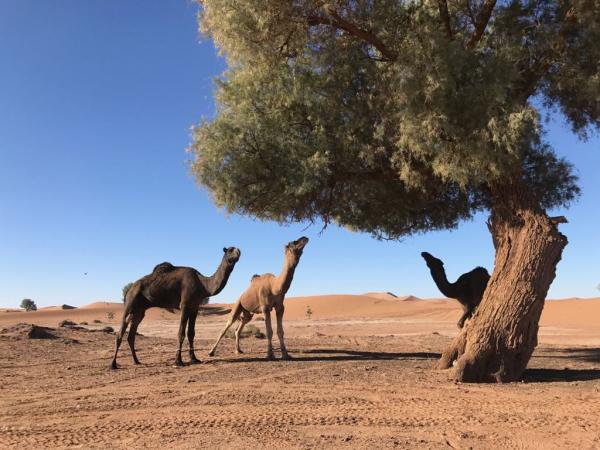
{"x":468,"y":289}
{"x":265,"y":293}
{"x":172,"y":287}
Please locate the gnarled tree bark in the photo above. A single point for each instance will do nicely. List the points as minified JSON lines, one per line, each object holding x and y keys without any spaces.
{"x":497,"y":343}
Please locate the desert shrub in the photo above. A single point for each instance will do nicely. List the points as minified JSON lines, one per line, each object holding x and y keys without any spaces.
{"x":97,"y":321}
{"x":83,"y":323}
{"x":110,"y":315}
{"x":28,"y":305}
{"x":126,"y":289}
{"x":108,"y":329}
{"x":309,"y":312}
{"x":249,"y":330}
{"x":66,"y":323}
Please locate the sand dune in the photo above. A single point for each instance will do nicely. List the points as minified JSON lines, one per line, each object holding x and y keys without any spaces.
{"x":57,"y":308}
{"x":568,"y":313}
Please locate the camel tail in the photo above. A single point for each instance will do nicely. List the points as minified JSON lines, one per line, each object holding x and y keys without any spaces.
{"x":214,"y":310}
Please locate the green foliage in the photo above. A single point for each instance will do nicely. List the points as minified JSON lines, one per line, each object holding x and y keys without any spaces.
{"x":28,"y":305}
{"x":126,"y":289}
{"x":395,"y":128}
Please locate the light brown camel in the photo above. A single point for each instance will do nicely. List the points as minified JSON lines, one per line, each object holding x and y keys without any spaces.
{"x":266,"y":292}
{"x":468,"y":289}
{"x":172,"y":287}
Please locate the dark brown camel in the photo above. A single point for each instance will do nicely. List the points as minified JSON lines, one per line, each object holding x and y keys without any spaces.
{"x":172,"y":287}
{"x":468,"y":289}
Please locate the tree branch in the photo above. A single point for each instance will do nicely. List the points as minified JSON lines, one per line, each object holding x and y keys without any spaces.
{"x":539,"y":70}
{"x":483,"y":19}
{"x":470,"y":12}
{"x":335,"y":20}
{"x":445,"y":16}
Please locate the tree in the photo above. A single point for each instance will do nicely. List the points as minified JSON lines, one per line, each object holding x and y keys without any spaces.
{"x":126,"y":289}
{"x":397,"y":117}
{"x":28,"y":305}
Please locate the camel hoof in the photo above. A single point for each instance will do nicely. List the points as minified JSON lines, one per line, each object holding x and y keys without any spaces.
{"x":239,"y":352}
{"x":179,"y":363}
{"x":195,"y":361}
{"x":114,"y":366}
{"x":270,"y":357}
{"x":286,"y":357}
{"x":211,"y":353}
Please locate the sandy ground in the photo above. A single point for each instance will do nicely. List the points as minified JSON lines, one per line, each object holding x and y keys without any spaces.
{"x":362,"y":377}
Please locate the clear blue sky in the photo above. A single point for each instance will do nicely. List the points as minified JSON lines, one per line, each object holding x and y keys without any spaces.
{"x":96,"y":103}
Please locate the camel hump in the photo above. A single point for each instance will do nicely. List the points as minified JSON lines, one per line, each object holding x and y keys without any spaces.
{"x":255,"y":276}
{"x":163,"y":267}
{"x":482,"y":269}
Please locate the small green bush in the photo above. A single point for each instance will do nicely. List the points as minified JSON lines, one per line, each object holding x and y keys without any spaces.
{"x":126,"y":289}
{"x":309,"y":312}
{"x":28,"y":305}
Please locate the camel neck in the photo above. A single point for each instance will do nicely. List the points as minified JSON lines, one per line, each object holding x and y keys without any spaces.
{"x":215,"y":283}
{"x":445,"y":287}
{"x":284,"y":280}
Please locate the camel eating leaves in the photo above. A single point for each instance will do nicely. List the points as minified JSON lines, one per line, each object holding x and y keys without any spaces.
{"x":266,"y":292}
{"x":468,"y":289}
{"x":173,"y":287}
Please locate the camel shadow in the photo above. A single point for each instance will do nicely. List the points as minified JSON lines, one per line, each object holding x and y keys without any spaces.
{"x":560,"y":375}
{"x":324,"y":355}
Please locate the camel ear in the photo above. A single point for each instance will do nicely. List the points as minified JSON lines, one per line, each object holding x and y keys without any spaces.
{"x":224,"y":250}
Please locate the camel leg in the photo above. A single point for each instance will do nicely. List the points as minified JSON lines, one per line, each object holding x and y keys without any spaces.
{"x":191,"y":333}
{"x":237,"y":309}
{"x":267,"y":314}
{"x":135,"y":322}
{"x":185,"y":314}
{"x":279,"y":314}
{"x":467,"y":313}
{"x":124,"y":323}
{"x":244,"y":319}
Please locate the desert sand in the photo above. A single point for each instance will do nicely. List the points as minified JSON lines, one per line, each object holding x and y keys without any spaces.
{"x":362,"y":377}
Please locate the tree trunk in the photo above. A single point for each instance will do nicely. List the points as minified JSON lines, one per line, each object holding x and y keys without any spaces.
{"x":498,"y":341}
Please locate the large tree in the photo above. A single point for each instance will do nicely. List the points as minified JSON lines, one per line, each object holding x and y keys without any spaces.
{"x":401,"y":116}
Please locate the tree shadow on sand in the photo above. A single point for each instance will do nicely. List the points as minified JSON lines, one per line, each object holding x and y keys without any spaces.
{"x":560,"y":375}
{"x":324,"y":355}
{"x":565,"y":356}
{"x":582,"y":354}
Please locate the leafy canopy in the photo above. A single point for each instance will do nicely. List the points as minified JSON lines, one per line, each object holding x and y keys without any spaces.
{"x":125,"y":290}
{"x":393,"y":117}
{"x":28,"y":305}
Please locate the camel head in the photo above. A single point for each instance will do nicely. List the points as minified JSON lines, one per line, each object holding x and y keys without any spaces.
{"x":295,"y":248}
{"x":232,"y":254}
{"x":432,"y":261}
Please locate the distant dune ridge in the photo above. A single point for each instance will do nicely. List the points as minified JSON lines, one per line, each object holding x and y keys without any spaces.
{"x":61,"y":307}
{"x":569,"y":313}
